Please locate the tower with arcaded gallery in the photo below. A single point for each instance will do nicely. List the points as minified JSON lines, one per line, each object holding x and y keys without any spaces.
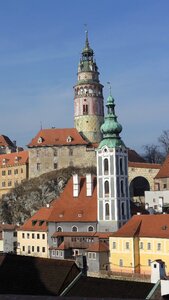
{"x":88,"y":97}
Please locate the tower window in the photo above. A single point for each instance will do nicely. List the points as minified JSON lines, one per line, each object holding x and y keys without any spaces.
{"x":107,"y":211}
{"x":85,"y":109}
{"x":106,"y":188}
{"x":122,"y":210}
{"x":106,"y":166}
{"x":122,"y":188}
{"x":121,"y":166}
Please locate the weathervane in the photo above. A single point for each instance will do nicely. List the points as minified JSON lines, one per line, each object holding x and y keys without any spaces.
{"x":109,"y":87}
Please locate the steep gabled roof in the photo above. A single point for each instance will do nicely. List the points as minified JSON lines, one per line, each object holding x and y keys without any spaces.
{"x":15,"y":158}
{"x":153,"y":226}
{"x":38,"y":222}
{"x":164,"y":170}
{"x":5,"y":141}
{"x":56,"y":137}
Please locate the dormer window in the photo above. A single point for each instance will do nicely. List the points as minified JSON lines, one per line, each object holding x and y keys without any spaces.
{"x":41,"y":222}
{"x":69,"y":139}
{"x":34,"y":222}
{"x":40,"y":140}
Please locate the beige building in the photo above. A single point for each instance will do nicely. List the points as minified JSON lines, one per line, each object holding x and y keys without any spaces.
{"x":33,"y":235}
{"x":13,"y":170}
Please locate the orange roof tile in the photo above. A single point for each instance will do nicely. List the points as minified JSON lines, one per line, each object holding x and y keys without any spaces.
{"x":5,"y":141}
{"x":98,"y":247}
{"x":57,"y":136}
{"x":67,"y":208}
{"x":14,"y":158}
{"x":154,"y":226}
{"x":38,"y":222}
{"x":101,"y":235}
{"x":164,"y":170}
{"x":144,"y":165}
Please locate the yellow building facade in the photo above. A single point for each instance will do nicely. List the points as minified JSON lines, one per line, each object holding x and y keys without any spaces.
{"x":142,"y":240}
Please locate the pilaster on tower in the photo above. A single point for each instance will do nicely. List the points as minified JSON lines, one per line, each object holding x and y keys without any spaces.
{"x":88,"y":97}
{"x":113,"y":201}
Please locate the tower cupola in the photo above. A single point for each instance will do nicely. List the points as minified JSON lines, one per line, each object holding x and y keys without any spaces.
{"x":88,"y":99}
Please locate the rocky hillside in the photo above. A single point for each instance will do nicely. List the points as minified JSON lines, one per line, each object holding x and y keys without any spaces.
{"x":27,"y":198}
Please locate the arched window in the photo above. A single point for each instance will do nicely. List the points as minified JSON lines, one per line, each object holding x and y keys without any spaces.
{"x":122,"y":188}
{"x":107,"y":211}
{"x":123,"y":210}
{"x":106,"y":166}
{"x":59,"y":229}
{"x":121,"y":166}
{"x":90,"y":228}
{"x":74,"y":228}
{"x":106,"y":188}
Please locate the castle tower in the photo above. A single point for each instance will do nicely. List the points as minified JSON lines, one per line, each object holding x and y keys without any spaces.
{"x":88,"y":99}
{"x":112,"y":174}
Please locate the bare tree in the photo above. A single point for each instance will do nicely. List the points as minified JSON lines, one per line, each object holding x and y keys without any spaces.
{"x":164,"y":141}
{"x":152,"y":154}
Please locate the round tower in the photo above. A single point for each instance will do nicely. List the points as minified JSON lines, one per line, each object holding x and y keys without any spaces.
{"x":88,"y":99}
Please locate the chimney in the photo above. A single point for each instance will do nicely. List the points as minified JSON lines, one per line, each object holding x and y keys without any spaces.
{"x":89,"y":185}
{"x":76,"y":185}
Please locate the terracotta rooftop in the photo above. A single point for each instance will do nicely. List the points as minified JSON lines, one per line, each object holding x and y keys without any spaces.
{"x":144,"y":165}
{"x":164,"y":170}
{"x":15,"y":158}
{"x":57,"y":136}
{"x":153,"y":226}
{"x":67,"y":208}
{"x":101,"y":235}
{"x":5,"y":141}
{"x":98,"y":247}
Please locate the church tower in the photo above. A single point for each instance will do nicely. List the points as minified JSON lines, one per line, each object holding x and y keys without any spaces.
{"x":112,"y":174}
{"x":88,"y":97}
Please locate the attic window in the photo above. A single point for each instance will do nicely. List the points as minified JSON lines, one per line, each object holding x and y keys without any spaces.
{"x":34,"y":222}
{"x":79,"y":215}
{"x":164,"y":227}
{"x":61,"y":215}
{"x":40,"y":140}
{"x":69,"y":139}
{"x":41,"y":222}
{"x":4,"y":161}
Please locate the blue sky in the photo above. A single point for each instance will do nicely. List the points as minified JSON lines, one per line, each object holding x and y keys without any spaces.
{"x":40,"y":46}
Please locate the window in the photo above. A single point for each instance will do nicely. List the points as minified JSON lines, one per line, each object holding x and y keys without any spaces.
{"x":53,"y":252}
{"x":57,"y":253}
{"x":3,"y":183}
{"x":29,"y":249}
{"x":43,"y":236}
{"x":114,"y":245}
{"x":141,"y":245}
{"x":90,"y":228}
{"x":59,"y":229}
{"x":43,"y":249}
{"x":33,"y":235}
{"x":38,"y":249}
{"x":107,"y":211}
{"x":33,"y":248}
{"x":121,"y":166}
{"x":28,"y":235}
{"x":70,"y":151}
{"x":149,"y":262}
{"x":106,"y":188}
{"x":61,"y":253}
{"x":23,"y":235}
{"x":159,"y":246}
{"x":121,"y":263}
{"x":54,"y":240}
{"x":122,"y":210}
{"x":38,"y":166}
{"x":55,"y":152}
{"x":74,"y":228}
{"x":16,"y":183}
{"x":148,"y":246}
{"x":15,"y":234}
{"x":23,"y":248}
{"x":85,"y":109}
{"x":16,"y":171}
{"x":9,"y":183}
{"x":106,"y":166}
{"x":3,"y":173}
{"x":92,"y":255}
{"x":127,"y":245}
{"x":164,"y":186}
{"x":21,"y":170}
{"x":9,"y":172}
{"x":38,"y":236}
{"x":55,"y":166}
{"x":122,"y":188}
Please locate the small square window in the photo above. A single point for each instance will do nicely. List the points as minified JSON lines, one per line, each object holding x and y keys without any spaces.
{"x":148,"y":246}
{"x":114,"y":245}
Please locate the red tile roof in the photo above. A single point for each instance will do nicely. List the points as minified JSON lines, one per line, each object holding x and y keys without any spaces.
{"x":101,"y":235}
{"x":5,"y":141}
{"x":144,"y":165}
{"x":154,"y":226}
{"x":75,"y":209}
{"x":67,"y":208}
{"x":15,"y":158}
{"x":164,"y":170}
{"x":98,"y":247}
{"x":57,"y":136}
